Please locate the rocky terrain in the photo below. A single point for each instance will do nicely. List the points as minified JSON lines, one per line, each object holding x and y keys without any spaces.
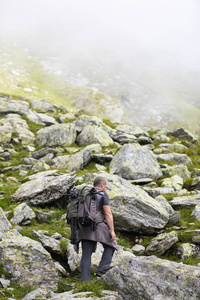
{"x":153,"y":184}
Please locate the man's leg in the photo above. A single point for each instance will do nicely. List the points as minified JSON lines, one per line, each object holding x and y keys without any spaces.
{"x":87,"y":249}
{"x":106,"y":260}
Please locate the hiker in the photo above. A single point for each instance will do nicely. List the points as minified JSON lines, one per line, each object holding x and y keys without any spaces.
{"x":104,"y":233}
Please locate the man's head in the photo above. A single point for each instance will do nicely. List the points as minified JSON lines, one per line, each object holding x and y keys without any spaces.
{"x":100,"y":183}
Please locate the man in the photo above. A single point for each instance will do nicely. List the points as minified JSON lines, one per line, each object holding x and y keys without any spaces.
{"x":104,"y":234}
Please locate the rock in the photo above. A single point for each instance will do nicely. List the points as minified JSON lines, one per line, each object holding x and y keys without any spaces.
{"x":144,"y":140}
{"x":93,"y":135}
{"x":27,"y":262}
{"x":161,"y":243}
{"x":133,"y":161}
{"x":94,"y":147}
{"x":39,"y":294}
{"x":102,"y":158}
{"x":60,"y":268}
{"x":57,"y":135}
{"x":75,"y":162}
{"x":174,"y":216}
{"x":4,"y":283}
{"x":195,"y":173}
{"x":5,"y":132}
{"x":175,"y":182}
{"x":12,"y":179}
{"x":182,"y":133}
{"x":175,"y":147}
{"x":176,"y":158}
{"x":139,"y":278}
{"x":44,"y":216}
{"x":22,"y":213}
{"x":138,"y":249}
{"x":180,"y":170}
{"x":133,"y":209}
{"x":154,"y":192}
{"x":47,"y":157}
{"x":13,"y":106}
{"x":4,"y":223}
{"x":39,"y":166}
{"x":185,"y":201}
{"x":49,"y":189}
{"x":196,"y":183}
{"x":42,"y":105}
{"x":100,"y":167}
{"x":43,"y":152}
{"x":63,"y":117}
{"x":186,"y":250}
{"x":196,"y":213}
{"x":195,"y":234}
{"x":42,"y":174}
{"x":29,"y":160}
{"x":124,"y":138}
{"x":40,"y":118}
{"x":5,"y":155}
{"x":20,"y":127}
{"x":50,"y":244}
{"x":161,"y":136}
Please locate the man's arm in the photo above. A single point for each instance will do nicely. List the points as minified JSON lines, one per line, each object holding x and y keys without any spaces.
{"x":109,"y":220}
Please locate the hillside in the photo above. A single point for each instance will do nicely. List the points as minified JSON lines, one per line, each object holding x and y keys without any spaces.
{"x":48,"y":146}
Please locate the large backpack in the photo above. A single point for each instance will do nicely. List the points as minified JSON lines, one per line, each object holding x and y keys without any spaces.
{"x":83,"y":210}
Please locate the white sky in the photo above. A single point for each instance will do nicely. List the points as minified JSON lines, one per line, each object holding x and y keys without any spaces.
{"x":123,"y":26}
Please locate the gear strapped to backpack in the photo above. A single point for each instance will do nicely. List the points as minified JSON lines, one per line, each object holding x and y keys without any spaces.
{"x":83,"y":210}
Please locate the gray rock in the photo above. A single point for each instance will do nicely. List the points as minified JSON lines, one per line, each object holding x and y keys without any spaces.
{"x":161,"y":243}
{"x":22,"y":213}
{"x":5,"y":155}
{"x":195,"y":234}
{"x":102,"y":158}
{"x":195,"y":172}
{"x":43,"y":152}
{"x":63,"y":117}
{"x":133,"y":209}
{"x":144,"y":140}
{"x":124,"y":138}
{"x":4,"y":223}
{"x":180,"y":170}
{"x":44,"y":216}
{"x":161,"y":136}
{"x":138,"y":249}
{"x":13,"y":106}
{"x":42,"y":174}
{"x":57,"y":135}
{"x":94,"y":135}
{"x":39,"y":166}
{"x":27,"y":262}
{"x":42,"y":105}
{"x":139,"y":278}
{"x":40,"y":294}
{"x":4,"y":283}
{"x":60,"y":268}
{"x":29,"y":160}
{"x":196,"y":213}
{"x":47,"y":157}
{"x":186,"y":250}
{"x":175,"y":182}
{"x":50,"y":244}
{"x":75,"y":162}
{"x":49,"y":189}
{"x":174,"y":218}
{"x":185,"y":201}
{"x":40,"y":118}
{"x":175,"y":147}
{"x":133,"y":161}
{"x":154,"y":192}
{"x":182,"y":133}
{"x":175,"y":157}
{"x":196,"y":183}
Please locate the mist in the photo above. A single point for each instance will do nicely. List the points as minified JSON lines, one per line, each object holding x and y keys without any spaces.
{"x":137,"y":50}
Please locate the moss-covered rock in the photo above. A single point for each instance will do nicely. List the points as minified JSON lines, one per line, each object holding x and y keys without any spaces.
{"x":13,"y":106}
{"x":162,"y":242}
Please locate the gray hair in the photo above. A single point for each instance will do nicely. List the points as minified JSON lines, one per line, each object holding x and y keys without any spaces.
{"x":99,"y":180}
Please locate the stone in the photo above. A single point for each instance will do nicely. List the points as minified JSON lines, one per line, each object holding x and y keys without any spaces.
{"x":57,"y":135}
{"x":4,"y":223}
{"x":94,"y":147}
{"x":185,"y":201}
{"x":101,"y":158}
{"x":40,"y":118}
{"x":161,"y":243}
{"x":5,"y":155}
{"x":43,"y":152}
{"x":196,"y":183}
{"x":39,"y":294}
{"x":27,"y":262}
{"x":42,"y":105}
{"x":133,"y":209}
{"x":175,"y":182}
{"x":144,"y":140}
{"x":75,"y":162}
{"x":13,"y":106}
{"x":150,"y":278}
{"x":39,"y":166}
{"x":124,"y":138}
{"x":133,"y":161}
{"x":22,"y":213}
{"x":175,"y":147}
{"x":42,"y":174}
{"x":63,"y":117}
{"x":196,"y":213}
{"x":12,"y":179}
{"x":5,"y":132}
{"x":186,"y":250}
{"x":195,"y":172}
{"x":195,"y":234}
{"x":174,"y":216}
{"x":100,"y":167}
{"x":94,"y":135}
{"x":44,"y":216}
{"x":182,"y":133}
{"x":138,"y":249}
{"x":50,"y":244}
{"x":4,"y":283}
{"x":176,"y":158}
{"x":60,"y":268}
{"x":49,"y":189}
{"x":161,"y":136}
{"x":180,"y":170}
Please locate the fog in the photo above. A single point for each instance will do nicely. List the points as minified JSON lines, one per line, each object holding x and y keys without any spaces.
{"x":151,"y":42}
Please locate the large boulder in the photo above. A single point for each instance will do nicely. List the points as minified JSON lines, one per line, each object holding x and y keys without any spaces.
{"x":4,"y":223}
{"x":133,"y":161}
{"x":27,"y":262}
{"x":13,"y":106}
{"x":74,"y":162}
{"x":182,"y":133}
{"x":175,"y":182}
{"x":49,"y":189}
{"x":162,"y":242}
{"x":139,"y":278}
{"x":57,"y":135}
{"x":133,"y":209}
{"x":93,"y":135}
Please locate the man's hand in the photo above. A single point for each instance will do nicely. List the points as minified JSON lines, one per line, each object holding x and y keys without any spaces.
{"x":113,"y":236}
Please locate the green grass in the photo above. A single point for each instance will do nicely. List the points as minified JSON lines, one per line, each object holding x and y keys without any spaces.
{"x":17,"y":292}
